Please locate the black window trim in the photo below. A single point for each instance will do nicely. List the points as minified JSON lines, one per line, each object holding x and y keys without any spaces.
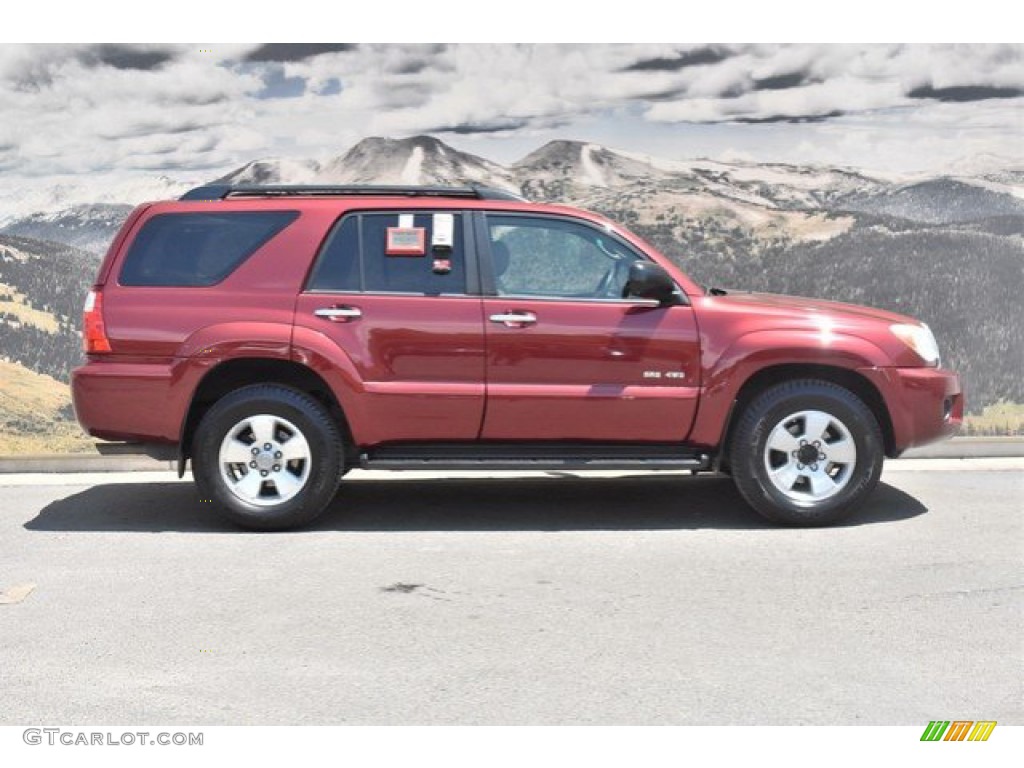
{"x":141,"y":225}
{"x":469,"y":255}
{"x":486,"y":264}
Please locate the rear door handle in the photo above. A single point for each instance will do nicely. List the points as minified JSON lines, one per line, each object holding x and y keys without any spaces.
{"x":340,"y":314}
{"x":514,"y":319}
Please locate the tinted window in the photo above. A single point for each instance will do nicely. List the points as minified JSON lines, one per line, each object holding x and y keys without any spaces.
{"x":197,"y":249}
{"x":556,"y":258}
{"x":400,"y":266}
{"x":337,"y":269}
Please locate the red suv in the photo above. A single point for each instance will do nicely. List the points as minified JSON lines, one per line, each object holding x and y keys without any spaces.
{"x":280,"y":336}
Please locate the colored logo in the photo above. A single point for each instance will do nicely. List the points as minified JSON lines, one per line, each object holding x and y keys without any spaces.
{"x":958,"y":730}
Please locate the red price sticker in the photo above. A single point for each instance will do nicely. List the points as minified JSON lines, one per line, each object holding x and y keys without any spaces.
{"x":406,"y":241}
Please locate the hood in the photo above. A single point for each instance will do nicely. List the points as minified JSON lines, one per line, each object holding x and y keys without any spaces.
{"x":809,"y":309}
{"x":795,"y":322}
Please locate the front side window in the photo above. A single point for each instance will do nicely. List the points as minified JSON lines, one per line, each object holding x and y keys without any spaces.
{"x":549,"y":257}
{"x":198,"y":249}
{"x":393,"y":253}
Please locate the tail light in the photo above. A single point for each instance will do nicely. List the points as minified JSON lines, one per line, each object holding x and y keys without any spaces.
{"x":94,"y":332}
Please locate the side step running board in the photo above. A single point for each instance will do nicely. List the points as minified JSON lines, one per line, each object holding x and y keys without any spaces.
{"x":547,"y":458}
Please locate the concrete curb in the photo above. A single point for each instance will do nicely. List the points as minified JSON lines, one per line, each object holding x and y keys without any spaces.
{"x":85,"y":462}
{"x":969,"y":448}
{"x":957,"y":448}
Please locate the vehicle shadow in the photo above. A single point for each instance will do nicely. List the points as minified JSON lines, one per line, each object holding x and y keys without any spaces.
{"x":633,"y":503}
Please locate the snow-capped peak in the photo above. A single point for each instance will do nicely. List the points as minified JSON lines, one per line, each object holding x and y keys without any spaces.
{"x":416,"y":160}
{"x":273,"y":171}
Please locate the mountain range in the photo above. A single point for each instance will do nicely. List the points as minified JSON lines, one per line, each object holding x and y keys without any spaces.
{"x":947,"y":248}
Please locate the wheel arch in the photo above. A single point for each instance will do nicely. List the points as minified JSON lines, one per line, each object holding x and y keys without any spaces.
{"x":777,"y":374}
{"x":230,"y":375}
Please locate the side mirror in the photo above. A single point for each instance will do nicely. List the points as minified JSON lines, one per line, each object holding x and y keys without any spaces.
{"x":648,"y":280}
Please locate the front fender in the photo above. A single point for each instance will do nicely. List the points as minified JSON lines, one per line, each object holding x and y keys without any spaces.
{"x":725,"y":372}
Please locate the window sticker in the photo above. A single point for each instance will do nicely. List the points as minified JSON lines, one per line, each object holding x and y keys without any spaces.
{"x":406,"y":241}
{"x":443,"y":237}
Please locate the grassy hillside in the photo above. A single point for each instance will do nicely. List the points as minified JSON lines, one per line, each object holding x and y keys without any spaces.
{"x":1001,"y":419}
{"x":42,"y":288}
{"x":36,"y":414}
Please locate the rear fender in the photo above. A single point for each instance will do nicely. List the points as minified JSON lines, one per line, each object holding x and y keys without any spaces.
{"x":225,"y":341}
{"x":319,"y":353}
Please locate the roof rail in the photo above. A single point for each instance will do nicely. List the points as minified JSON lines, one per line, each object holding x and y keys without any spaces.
{"x":224,"y":191}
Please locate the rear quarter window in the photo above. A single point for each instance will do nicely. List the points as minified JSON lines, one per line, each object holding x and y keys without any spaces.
{"x":198,"y":249}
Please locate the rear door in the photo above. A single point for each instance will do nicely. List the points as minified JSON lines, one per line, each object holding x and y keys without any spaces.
{"x":393,"y":290}
{"x":567,"y":357}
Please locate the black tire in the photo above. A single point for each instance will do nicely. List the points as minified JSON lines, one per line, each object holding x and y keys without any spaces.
{"x":269,"y":500}
{"x":784,"y":483}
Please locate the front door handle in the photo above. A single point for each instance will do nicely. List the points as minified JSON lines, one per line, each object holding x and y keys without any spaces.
{"x":514,"y":319}
{"x":339,"y":314}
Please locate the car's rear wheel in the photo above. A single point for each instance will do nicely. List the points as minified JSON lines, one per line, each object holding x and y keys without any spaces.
{"x":268,"y":457}
{"x":806,"y":452}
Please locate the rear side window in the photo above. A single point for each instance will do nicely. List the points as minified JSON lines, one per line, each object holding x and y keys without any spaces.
{"x":198,"y":249}
{"x":338,"y":266}
{"x":393,"y":253}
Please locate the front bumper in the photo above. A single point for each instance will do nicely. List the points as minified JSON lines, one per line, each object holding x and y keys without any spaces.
{"x":925,"y":404}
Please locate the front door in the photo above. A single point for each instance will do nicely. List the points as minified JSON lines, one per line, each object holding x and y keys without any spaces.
{"x":567,"y":357}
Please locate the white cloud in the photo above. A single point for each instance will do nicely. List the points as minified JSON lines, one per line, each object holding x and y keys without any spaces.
{"x":83,"y":110}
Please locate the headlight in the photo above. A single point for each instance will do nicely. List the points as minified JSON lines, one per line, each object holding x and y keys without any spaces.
{"x":920,"y":339}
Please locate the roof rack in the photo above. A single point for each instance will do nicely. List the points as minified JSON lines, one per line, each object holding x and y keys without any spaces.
{"x":224,"y":191}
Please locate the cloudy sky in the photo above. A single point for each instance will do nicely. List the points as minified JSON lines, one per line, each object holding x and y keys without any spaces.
{"x":194,"y":112}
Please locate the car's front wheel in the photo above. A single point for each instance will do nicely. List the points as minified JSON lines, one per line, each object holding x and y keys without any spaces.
{"x":268,"y":457}
{"x":806,"y":452}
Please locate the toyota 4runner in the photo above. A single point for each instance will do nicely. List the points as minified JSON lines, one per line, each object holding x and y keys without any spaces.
{"x":280,"y":336}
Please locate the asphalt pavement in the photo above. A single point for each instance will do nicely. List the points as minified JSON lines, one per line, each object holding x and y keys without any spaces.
{"x":541,"y":599}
